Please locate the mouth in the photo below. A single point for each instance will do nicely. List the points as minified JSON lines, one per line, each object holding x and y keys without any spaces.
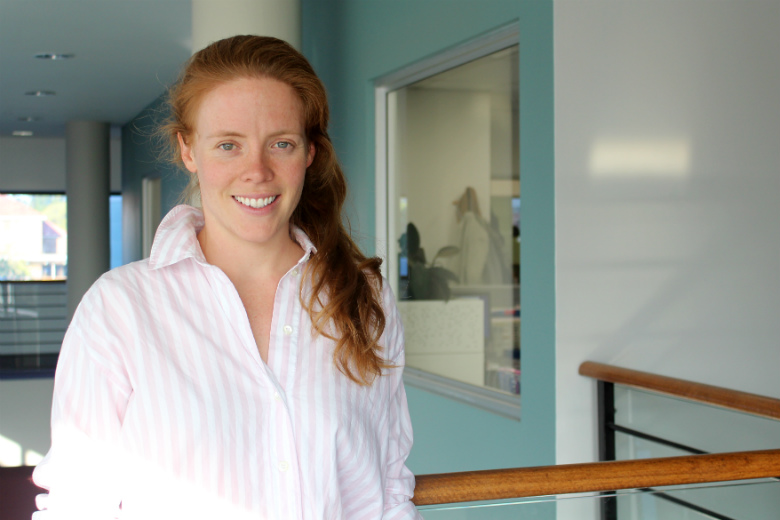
{"x":255,"y":203}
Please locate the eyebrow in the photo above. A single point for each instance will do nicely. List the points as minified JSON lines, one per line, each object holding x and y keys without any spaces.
{"x":221,"y":134}
{"x":224,"y":133}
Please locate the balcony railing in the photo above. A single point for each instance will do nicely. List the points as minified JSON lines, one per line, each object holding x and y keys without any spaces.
{"x":707,"y":394}
{"x":33,"y":319}
{"x":682,"y":483}
{"x":471,"y":486}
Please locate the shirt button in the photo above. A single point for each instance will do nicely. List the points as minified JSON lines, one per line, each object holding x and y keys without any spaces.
{"x":295,"y":272}
{"x":287,"y":330}
{"x":277,"y":396}
{"x":284,"y":466}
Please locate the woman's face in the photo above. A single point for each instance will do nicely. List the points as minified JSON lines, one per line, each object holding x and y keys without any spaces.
{"x":249,"y":150}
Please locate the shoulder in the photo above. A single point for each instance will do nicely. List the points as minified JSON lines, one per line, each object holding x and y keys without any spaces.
{"x":104,"y":321}
{"x":385,"y":291}
{"x":114,"y":291}
{"x":122,"y":277}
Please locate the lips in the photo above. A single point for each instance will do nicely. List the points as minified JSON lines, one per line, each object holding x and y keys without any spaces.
{"x":255,"y":203}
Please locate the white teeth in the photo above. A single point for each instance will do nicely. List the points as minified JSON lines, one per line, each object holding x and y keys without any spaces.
{"x":255,"y":203}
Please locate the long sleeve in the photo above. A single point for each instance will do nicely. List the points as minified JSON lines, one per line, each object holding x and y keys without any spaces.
{"x":80,"y":470}
{"x":399,"y":480}
{"x":399,"y":484}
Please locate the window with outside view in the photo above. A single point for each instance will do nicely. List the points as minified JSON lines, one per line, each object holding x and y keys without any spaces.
{"x":33,"y":237}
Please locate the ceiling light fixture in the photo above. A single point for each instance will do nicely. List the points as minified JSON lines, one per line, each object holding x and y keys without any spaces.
{"x":40,"y":93}
{"x":22,"y":133}
{"x":28,"y":119}
{"x":54,"y":56}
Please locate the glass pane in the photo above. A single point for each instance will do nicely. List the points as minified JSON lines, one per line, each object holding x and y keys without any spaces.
{"x":754,"y":499}
{"x":757,"y":500}
{"x":707,"y":428}
{"x":33,"y":319}
{"x":33,"y":237}
{"x":454,"y":221}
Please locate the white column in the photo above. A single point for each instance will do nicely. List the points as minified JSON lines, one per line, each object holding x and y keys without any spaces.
{"x":213,"y":20}
{"x":87,"y":185}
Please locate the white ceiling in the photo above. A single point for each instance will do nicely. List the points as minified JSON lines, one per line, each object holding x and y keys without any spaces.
{"x":125,"y":54}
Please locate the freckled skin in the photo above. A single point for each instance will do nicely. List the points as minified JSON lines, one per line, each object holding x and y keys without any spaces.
{"x":248,"y":141}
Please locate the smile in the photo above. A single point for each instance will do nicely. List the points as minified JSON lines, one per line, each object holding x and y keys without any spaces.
{"x":255,"y":203}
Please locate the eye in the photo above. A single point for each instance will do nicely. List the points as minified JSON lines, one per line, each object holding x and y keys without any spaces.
{"x":284,"y":144}
{"x":227,"y":146}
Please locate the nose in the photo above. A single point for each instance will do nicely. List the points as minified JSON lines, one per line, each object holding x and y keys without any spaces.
{"x":258,"y":167}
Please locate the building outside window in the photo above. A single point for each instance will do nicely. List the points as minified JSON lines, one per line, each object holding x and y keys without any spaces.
{"x":33,"y":237}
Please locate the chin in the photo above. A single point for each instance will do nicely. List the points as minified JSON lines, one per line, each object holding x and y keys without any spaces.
{"x":263,"y":237}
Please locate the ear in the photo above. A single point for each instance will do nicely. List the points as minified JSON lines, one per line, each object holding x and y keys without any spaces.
{"x":186,"y":154}
{"x":312,"y":152}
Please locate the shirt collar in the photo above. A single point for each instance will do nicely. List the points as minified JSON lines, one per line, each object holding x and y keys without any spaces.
{"x":305,"y":242}
{"x":176,"y":238}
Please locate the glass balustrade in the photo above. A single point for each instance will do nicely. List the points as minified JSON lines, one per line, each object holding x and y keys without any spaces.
{"x":33,"y":319}
{"x":651,"y":419}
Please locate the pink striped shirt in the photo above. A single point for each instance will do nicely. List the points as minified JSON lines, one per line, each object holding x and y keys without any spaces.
{"x":162,"y":403}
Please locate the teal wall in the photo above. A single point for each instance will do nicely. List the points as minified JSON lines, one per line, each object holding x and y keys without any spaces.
{"x":352,"y":42}
{"x":141,"y":158}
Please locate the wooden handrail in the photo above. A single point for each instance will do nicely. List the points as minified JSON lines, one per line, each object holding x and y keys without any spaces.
{"x":714,"y":395}
{"x":469,"y":486}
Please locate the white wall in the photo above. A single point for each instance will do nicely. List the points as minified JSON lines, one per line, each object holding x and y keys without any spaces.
{"x":25,"y":406}
{"x":38,"y":164}
{"x":28,"y":164}
{"x":667,"y":179}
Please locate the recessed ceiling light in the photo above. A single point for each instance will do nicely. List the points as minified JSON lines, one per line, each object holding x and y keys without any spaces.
{"x":53,"y":56}
{"x":22,"y":133}
{"x":29,"y":119}
{"x":40,"y":93}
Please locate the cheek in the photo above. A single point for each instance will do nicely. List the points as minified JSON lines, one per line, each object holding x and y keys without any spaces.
{"x":298,"y":182}
{"x":209,"y":179}
{"x":203,"y":180}
{"x":210,"y":170}
{"x":301,"y":180}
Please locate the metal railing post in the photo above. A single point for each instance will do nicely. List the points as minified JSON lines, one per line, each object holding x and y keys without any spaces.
{"x":606,"y":422}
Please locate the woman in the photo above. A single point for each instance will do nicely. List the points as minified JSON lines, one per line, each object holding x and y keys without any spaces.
{"x":251,"y":367}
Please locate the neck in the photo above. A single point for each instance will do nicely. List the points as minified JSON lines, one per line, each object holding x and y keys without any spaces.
{"x":243,"y":261}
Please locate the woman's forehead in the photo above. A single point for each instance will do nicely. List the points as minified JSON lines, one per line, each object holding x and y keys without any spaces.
{"x":247,"y":100}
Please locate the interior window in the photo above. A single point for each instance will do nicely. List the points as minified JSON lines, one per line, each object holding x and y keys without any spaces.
{"x":453,"y":220}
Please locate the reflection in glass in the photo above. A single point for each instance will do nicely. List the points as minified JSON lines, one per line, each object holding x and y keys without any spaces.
{"x":454,"y":220}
